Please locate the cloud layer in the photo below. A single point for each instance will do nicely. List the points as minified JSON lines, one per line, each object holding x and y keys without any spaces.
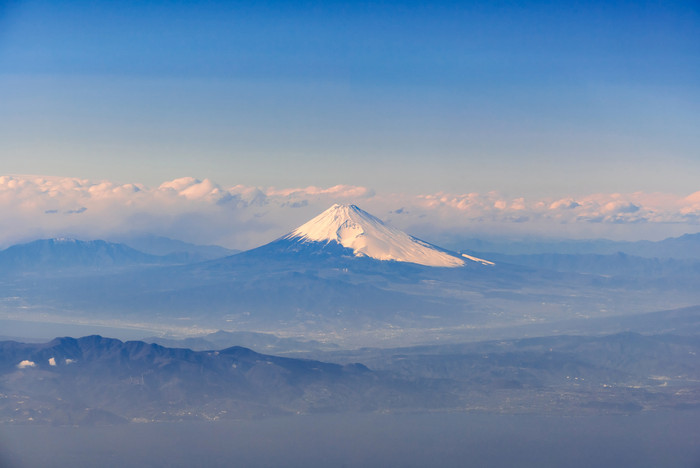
{"x":241,"y":216}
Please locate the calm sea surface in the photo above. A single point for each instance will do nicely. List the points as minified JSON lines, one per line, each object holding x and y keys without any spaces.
{"x":668,"y":439}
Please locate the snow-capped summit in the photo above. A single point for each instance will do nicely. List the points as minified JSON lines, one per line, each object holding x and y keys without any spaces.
{"x":368,"y":236}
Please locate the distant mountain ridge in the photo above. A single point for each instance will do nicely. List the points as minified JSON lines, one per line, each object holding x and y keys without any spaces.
{"x":260,"y":342}
{"x":162,"y":246}
{"x":65,"y":253}
{"x":684,"y":247}
{"x":617,"y":264}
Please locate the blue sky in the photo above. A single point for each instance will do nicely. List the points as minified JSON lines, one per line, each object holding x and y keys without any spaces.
{"x":525,"y":98}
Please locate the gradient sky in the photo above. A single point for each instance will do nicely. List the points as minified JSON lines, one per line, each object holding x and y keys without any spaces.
{"x":527,"y":98}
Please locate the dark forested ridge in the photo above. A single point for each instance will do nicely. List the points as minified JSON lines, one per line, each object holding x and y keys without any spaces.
{"x":94,"y":380}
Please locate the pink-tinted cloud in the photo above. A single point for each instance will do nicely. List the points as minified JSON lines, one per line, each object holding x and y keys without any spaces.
{"x":243,"y":216}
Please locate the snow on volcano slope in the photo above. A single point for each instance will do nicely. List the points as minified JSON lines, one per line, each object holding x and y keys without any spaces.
{"x":368,"y":236}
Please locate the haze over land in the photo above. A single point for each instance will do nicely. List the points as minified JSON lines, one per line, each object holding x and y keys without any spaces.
{"x":343,"y":277}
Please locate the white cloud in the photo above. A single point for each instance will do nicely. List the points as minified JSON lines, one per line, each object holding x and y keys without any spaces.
{"x":240,"y":216}
{"x":24,"y":364}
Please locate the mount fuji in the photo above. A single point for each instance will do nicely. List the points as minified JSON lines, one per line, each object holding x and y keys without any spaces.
{"x":346,"y":230}
{"x":368,"y":236}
